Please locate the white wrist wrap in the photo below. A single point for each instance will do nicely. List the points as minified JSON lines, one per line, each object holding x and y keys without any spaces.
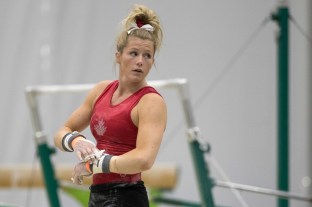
{"x":97,"y":168}
{"x":102,"y":165}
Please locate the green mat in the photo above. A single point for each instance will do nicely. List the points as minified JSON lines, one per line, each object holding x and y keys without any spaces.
{"x":80,"y":194}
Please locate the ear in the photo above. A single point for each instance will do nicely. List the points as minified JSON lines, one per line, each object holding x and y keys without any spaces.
{"x":117,"y":57}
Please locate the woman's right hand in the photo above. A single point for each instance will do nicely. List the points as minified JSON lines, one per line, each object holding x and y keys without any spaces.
{"x":81,"y":169}
{"x":85,"y":149}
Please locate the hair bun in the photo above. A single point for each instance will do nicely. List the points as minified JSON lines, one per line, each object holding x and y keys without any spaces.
{"x":141,"y":15}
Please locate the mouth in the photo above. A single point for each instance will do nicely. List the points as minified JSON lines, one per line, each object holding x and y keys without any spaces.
{"x":138,"y":70}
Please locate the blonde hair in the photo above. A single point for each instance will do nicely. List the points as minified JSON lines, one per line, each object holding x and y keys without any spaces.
{"x":146,"y":16}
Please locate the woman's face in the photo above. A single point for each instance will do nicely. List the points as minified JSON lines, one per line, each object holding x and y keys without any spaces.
{"x":136,"y":60}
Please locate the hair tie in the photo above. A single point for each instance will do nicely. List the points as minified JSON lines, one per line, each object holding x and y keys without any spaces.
{"x":139,"y":25}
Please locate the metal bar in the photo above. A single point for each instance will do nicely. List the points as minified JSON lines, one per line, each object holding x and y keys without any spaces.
{"x":259,"y":190}
{"x":33,"y":108}
{"x":175,"y":202}
{"x":71,"y":88}
{"x":204,"y":181}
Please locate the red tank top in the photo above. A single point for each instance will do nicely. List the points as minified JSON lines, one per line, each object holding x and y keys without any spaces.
{"x":113,"y":129}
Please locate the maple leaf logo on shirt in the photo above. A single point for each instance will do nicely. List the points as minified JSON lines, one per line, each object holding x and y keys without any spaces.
{"x":100,"y":127}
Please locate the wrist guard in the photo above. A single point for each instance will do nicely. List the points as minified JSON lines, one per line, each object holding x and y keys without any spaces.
{"x":68,"y":139}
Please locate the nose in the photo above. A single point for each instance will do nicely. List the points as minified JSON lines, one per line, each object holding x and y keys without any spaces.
{"x":140,"y":61}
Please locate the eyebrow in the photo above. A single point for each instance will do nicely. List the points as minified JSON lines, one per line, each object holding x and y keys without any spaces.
{"x":144,"y":50}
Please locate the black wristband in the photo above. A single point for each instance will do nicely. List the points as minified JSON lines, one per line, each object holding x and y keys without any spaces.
{"x":105,"y":164}
{"x":68,"y":139}
{"x":63,"y":140}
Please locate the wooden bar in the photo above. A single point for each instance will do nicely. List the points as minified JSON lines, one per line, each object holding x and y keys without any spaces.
{"x":161,"y":176}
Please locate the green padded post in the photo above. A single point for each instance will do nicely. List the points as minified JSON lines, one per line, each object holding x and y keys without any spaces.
{"x":43,"y":150}
{"x":49,"y":178}
{"x":202,"y":174}
{"x":204,"y":182}
{"x":283,"y":143}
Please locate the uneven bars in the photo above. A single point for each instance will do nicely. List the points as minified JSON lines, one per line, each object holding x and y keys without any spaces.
{"x":48,"y":89}
{"x":260,"y":190}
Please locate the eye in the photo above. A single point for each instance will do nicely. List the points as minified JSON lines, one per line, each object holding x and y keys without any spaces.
{"x":147,"y":56}
{"x":133,"y":53}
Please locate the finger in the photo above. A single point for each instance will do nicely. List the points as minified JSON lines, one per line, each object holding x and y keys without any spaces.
{"x":89,"y":150}
{"x":97,"y":153}
{"x":73,"y":179}
{"x":88,"y":157}
{"x":94,"y":160}
{"x":80,"y":180}
{"x":76,"y":179}
{"x":79,"y":155}
{"x":85,"y":152}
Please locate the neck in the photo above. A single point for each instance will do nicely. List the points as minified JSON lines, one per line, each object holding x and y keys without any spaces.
{"x":129,"y":87}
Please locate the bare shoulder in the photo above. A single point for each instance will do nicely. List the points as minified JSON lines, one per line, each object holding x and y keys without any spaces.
{"x":153,"y":100}
{"x":100,"y":86}
{"x":152,"y":111}
{"x":96,"y":91}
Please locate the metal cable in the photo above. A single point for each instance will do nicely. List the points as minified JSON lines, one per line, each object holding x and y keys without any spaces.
{"x":300,"y":29}
{"x":218,"y":79}
{"x":227,"y":179}
{"x":232,"y":61}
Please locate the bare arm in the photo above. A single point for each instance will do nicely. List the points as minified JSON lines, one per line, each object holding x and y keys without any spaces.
{"x":152,"y":119}
{"x":80,"y":118}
